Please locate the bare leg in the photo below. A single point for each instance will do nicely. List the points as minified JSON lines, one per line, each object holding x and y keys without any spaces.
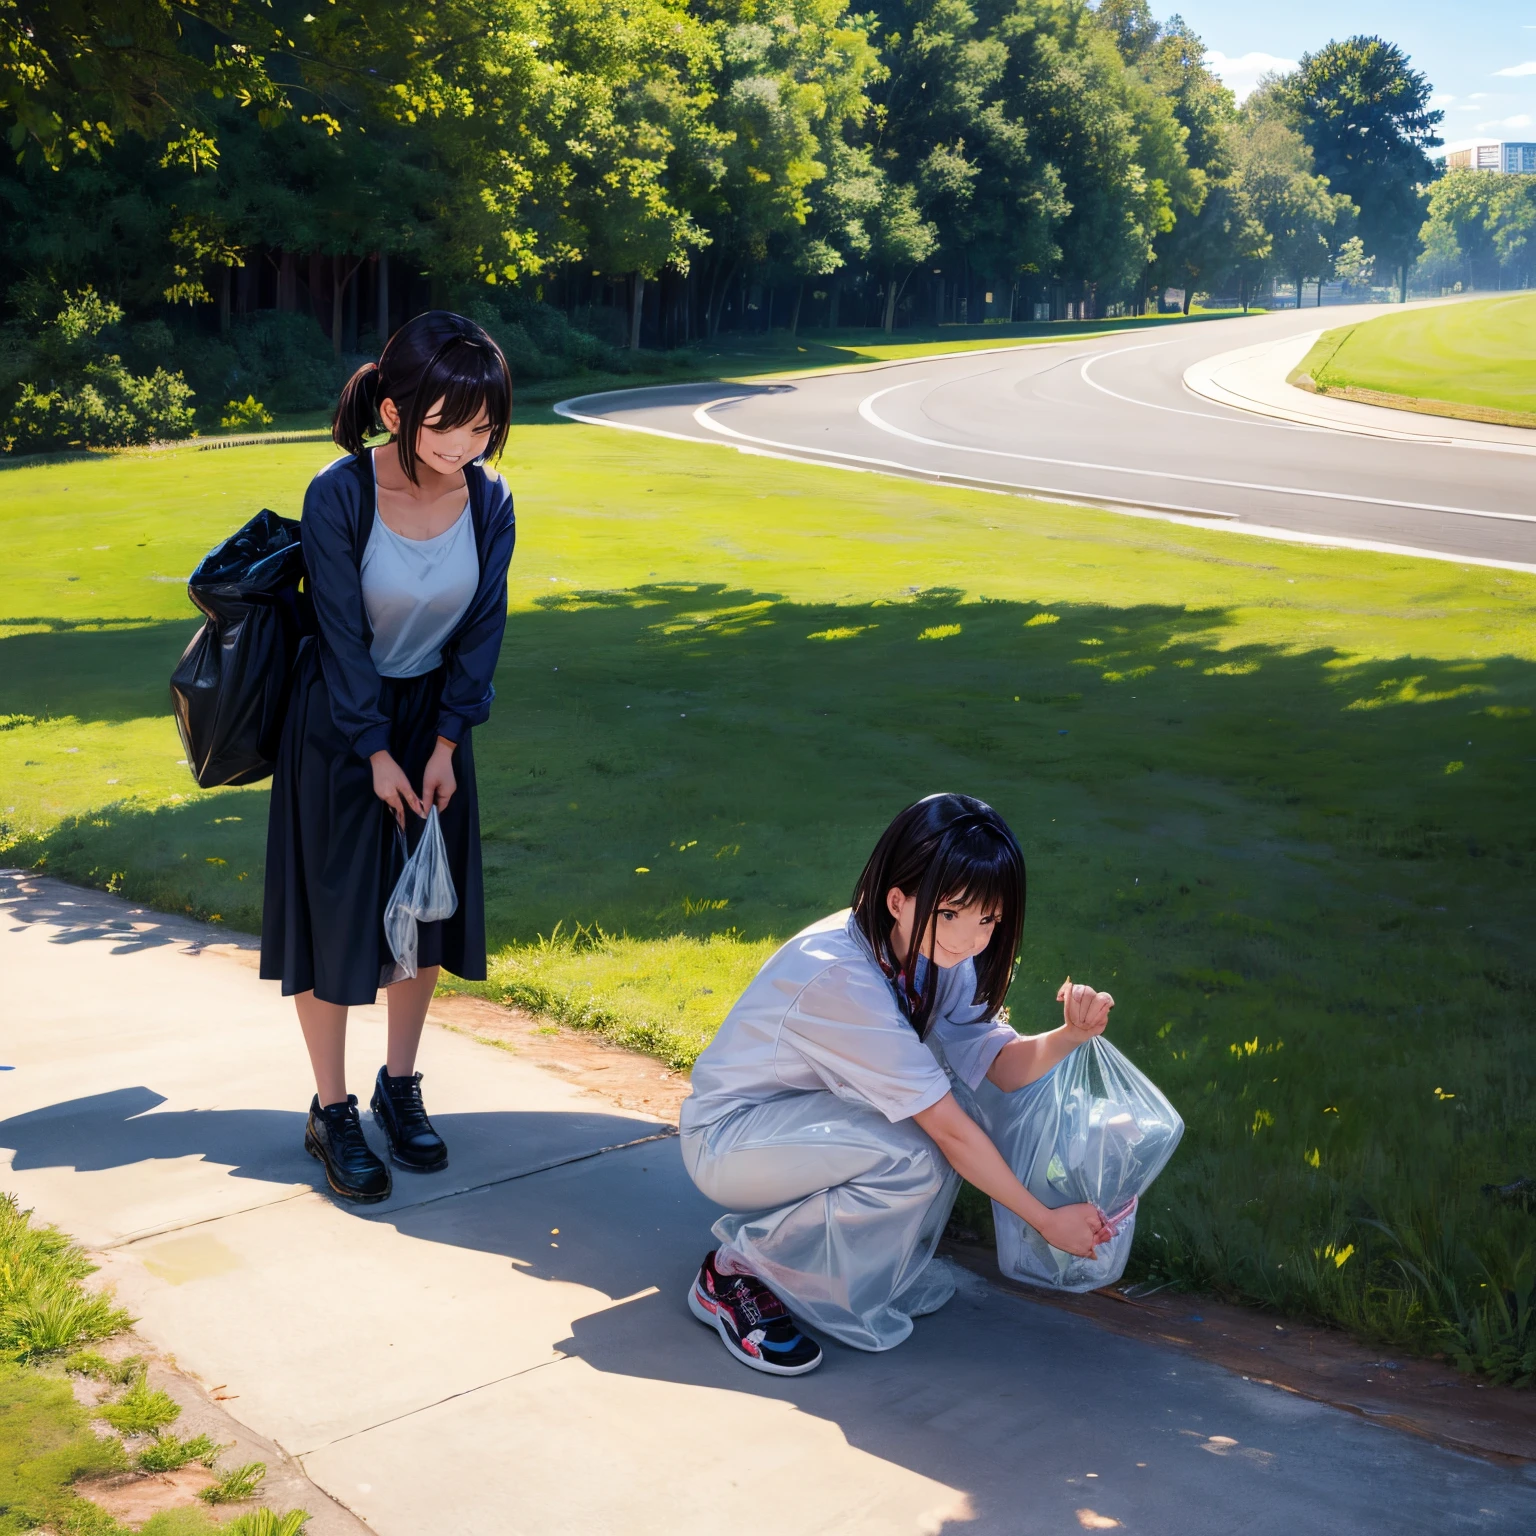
{"x":325,"y":1033}
{"x":408,"y":1002}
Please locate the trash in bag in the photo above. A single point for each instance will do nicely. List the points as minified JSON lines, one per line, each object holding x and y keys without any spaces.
{"x":424,"y":893}
{"x":230,"y":688}
{"x":1094,"y":1130}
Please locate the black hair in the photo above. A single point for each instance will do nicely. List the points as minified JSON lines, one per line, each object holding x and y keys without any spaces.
{"x":436,"y":356}
{"x":944,"y":848}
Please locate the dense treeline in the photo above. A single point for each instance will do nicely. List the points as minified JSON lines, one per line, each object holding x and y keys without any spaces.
{"x":208,"y":192}
{"x":1479,"y":231}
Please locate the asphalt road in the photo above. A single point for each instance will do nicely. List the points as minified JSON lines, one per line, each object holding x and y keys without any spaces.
{"x":1109,"y":421}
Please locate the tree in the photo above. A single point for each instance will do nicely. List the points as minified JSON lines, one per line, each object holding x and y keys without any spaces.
{"x":1301,"y":218}
{"x":1365,"y":115}
{"x":1210,"y":237}
{"x":75,"y":75}
{"x":1479,"y":230}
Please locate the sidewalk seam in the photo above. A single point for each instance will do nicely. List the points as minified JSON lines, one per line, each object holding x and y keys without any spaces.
{"x":452,"y":1194}
{"x":411,"y":1413}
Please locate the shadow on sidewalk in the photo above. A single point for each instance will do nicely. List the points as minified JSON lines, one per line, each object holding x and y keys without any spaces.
{"x":125,"y":1127}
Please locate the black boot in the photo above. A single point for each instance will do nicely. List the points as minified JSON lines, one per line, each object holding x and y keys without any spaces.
{"x":334,"y":1135}
{"x":398,"y":1108}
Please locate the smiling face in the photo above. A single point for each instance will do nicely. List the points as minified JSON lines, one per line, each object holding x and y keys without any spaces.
{"x":958,"y":931}
{"x":442,"y":450}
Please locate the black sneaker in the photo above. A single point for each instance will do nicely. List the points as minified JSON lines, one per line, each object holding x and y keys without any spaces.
{"x":397,"y":1107}
{"x":334,"y":1135}
{"x":752,"y":1322}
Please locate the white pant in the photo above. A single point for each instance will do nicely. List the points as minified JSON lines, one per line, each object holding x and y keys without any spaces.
{"x":835,"y":1207}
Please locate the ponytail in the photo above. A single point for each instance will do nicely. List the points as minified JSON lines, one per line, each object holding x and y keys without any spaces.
{"x":357,"y":412}
{"x":439,"y":364}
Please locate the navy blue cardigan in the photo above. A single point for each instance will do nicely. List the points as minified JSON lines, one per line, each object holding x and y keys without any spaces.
{"x":338,"y":517}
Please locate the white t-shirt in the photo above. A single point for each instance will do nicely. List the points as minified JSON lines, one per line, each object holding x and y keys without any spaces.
{"x":821,"y":1015}
{"x":415,"y":592}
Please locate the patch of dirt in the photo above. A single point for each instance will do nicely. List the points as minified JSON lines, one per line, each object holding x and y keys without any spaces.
{"x":628,"y":1078}
{"x":132,"y":1497}
{"x":1428,"y":1398}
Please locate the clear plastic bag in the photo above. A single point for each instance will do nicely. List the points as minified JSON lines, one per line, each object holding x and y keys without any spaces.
{"x":424,"y":893}
{"x":1094,"y":1129}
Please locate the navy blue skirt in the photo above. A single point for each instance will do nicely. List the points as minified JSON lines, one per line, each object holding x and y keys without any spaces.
{"x":334,"y":854}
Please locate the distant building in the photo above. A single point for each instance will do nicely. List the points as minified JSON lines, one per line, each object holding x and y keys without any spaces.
{"x":1512,"y":159}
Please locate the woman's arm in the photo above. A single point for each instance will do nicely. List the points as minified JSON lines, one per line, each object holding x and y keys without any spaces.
{"x":336,"y":591}
{"x":1028,"y":1059}
{"x":471,"y":659}
{"x":1072,"y":1228}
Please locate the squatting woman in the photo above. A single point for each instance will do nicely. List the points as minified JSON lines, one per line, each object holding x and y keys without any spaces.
{"x":406,"y":548}
{"x":823,"y":1116}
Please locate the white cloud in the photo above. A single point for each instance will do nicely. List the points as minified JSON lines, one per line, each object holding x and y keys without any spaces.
{"x":1527,"y":68}
{"x":1519,"y":120}
{"x":1441,"y":99}
{"x":1241,"y":74}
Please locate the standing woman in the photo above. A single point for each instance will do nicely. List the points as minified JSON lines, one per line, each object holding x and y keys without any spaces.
{"x":406,"y":548}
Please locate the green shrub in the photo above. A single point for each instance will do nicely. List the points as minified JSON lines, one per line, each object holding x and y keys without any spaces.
{"x":237,"y":1484}
{"x":286,"y":359}
{"x":141,"y":1410}
{"x":247,"y":414}
{"x":267,"y":1522}
{"x":76,"y":393}
{"x":43,"y":1309}
{"x":89,"y":1363}
{"x":540,"y":342}
{"x":108,"y":408}
{"x":168,"y":1453}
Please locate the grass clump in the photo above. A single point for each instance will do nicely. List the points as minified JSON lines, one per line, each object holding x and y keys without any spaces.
{"x":141,"y":1410}
{"x":267,"y":1522}
{"x":167,"y":1453}
{"x":44,"y":1310}
{"x":88,"y":1363}
{"x":236,"y":1485}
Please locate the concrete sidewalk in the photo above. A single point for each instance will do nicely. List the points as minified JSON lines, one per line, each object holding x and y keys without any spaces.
{"x":1254,"y":378}
{"x":504,"y":1348}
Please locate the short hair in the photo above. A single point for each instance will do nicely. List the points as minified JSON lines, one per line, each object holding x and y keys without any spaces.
{"x":436,"y":356}
{"x":944,"y":848}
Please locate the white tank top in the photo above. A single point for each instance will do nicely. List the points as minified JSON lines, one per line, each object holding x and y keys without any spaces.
{"x":415,"y":591}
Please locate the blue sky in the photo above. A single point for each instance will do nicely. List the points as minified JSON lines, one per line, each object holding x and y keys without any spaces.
{"x":1480,"y":55}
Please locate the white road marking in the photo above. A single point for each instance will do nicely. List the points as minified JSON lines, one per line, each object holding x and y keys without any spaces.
{"x":1185,"y":517}
{"x":867,"y":411}
{"x":796,"y":450}
{"x":1237,"y":418}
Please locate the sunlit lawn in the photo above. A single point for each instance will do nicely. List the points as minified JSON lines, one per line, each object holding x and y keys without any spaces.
{"x":1480,"y":354}
{"x":1276,"y":799}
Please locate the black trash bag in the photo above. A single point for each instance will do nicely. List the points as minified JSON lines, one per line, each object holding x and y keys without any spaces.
{"x":230,"y":688}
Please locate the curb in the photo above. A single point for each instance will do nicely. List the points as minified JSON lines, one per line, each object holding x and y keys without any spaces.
{"x":1254,"y":379}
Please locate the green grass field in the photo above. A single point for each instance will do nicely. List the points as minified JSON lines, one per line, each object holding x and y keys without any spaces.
{"x":1476,"y":359}
{"x":1276,"y":799}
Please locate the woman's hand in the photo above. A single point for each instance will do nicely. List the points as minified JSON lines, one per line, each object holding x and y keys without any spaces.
{"x":1083,"y":1009}
{"x":438,"y":782}
{"x":1075,"y":1229}
{"x":393,"y":788}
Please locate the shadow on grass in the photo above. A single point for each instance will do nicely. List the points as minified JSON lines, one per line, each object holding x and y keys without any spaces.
{"x":744,"y":751}
{"x":92,"y":669}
